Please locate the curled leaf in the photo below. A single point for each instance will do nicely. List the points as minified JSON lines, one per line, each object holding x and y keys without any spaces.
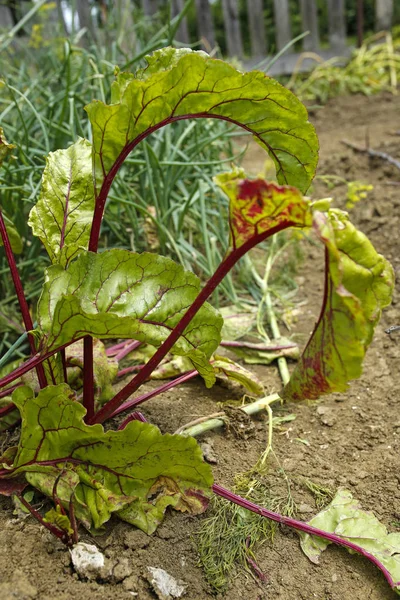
{"x":137,"y":469}
{"x":228,"y":369}
{"x":358,"y":284}
{"x":179,"y":84}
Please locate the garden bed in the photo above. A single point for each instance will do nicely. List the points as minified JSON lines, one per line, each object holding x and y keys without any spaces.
{"x":349,"y":440}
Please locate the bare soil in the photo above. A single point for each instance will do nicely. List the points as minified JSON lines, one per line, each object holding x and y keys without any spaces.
{"x":352,"y":442}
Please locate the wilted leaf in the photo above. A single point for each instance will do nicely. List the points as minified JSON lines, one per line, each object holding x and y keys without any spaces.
{"x":179,"y":84}
{"x":137,"y":469}
{"x":228,"y":369}
{"x":359,"y":283}
{"x":54,"y":516}
{"x":121,"y":294}
{"x":258,"y":206}
{"x":104,"y":369}
{"x":259,"y":356}
{"x":344,"y":517}
{"x":236,"y":322}
{"x":62,"y":217}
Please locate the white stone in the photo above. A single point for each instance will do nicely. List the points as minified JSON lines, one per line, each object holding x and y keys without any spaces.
{"x":87,"y":560}
{"x":165,"y":585}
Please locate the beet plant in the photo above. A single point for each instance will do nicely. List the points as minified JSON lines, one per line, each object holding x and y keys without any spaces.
{"x":135,"y":472}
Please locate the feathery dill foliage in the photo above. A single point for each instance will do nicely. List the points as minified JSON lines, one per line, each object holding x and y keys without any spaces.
{"x":229,"y":537}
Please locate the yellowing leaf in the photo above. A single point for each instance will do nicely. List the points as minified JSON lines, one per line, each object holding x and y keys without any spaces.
{"x":258,"y":206}
{"x":359,"y":283}
{"x":344,"y":517}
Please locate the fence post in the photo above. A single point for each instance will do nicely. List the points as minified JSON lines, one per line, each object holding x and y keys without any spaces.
{"x":383,"y":15}
{"x":282,"y":23}
{"x":337,"y":24}
{"x":232,"y":28}
{"x":205,"y":25}
{"x":258,"y":38}
{"x":309,"y":19}
{"x":182,"y":35}
{"x":149,"y":7}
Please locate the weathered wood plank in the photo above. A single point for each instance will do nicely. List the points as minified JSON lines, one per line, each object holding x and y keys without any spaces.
{"x":205,"y":25}
{"x":282,"y":23}
{"x":337,"y":24}
{"x":309,"y":18}
{"x":232,"y":28}
{"x":258,"y":37}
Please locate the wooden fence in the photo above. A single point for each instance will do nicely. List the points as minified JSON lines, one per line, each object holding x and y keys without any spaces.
{"x":307,"y":9}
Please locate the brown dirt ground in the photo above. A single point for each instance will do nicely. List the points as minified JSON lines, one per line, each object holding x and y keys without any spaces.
{"x":354,"y":443}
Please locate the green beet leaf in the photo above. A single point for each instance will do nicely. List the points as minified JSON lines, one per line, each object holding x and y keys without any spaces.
{"x":137,"y":470}
{"x":121,"y":294}
{"x":359,"y":283}
{"x":344,"y":517}
{"x":258,"y":206}
{"x":62,"y":217}
{"x":180,"y":84}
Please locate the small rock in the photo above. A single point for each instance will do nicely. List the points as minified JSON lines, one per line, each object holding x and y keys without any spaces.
{"x":209,"y":453}
{"x":164,"y":585}
{"x":334,"y":578}
{"x":326,"y":415}
{"x":87,"y":560}
{"x":305,"y":508}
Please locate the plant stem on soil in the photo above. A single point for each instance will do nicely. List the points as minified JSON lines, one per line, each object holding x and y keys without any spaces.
{"x":304,"y":527}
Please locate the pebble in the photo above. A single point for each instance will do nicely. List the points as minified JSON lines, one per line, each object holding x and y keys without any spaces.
{"x":87,"y":560}
{"x":164,"y":585}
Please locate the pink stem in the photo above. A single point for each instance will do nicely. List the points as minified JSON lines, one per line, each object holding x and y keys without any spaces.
{"x":23,"y":304}
{"x":112,"y":350}
{"x":88,"y":378}
{"x":135,"y":416}
{"x":127,"y":349}
{"x":9,"y":390}
{"x":128,"y":370}
{"x":6,"y":410}
{"x":29,"y":364}
{"x":301,"y":526}
{"x":62,"y":535}
{"x":110,"y":407}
